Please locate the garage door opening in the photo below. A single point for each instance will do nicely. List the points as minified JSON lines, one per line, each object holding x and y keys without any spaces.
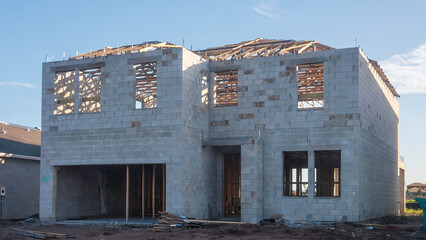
{"x":111,"y":191}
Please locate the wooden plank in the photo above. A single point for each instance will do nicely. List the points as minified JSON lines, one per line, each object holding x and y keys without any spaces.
{"x":216,"y":222}
{"x":164,"y":187}
{"x":143,"y":191}
{"x":310,"y":96}
{"x":127,"y":193}
{"x":153,"y":191}
{"x":64,"y":101}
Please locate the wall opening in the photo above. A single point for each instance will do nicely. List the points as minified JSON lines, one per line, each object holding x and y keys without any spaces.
{"x":146,"y":85}
{"x":64,"y":92}
{"x":310,"y":88}
{"x":111,"y":191}
{"x":327,"y":173}
{"x":90,"y":90}
{"x":295,"y":174}
{"x":232,"y":184}
{"x":226,"y":88}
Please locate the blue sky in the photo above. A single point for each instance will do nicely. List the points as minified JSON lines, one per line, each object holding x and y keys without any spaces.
{"x":391,"y":32}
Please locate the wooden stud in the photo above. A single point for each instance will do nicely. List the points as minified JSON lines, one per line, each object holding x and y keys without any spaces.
{"x":153,"y":191}
{"x":127,"y":193}
{"x":143,"y":192}
{"x":164,"y":187}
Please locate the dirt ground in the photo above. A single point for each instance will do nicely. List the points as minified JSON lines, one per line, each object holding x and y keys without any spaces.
{"x":225,"y":231}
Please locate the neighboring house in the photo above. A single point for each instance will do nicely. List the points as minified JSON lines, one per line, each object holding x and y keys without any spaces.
{"x":246,"y":130}
{"x":416,"y":185}
{"x":19,"y":171}
{"x":415,"y":190}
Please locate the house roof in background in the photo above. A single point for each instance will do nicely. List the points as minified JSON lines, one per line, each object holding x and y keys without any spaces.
{"x":21,"y":140}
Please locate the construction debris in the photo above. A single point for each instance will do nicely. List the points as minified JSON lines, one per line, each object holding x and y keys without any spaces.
{"x":401,"y":227}
{"x":168,"y":221}
{"x":39,"y":235}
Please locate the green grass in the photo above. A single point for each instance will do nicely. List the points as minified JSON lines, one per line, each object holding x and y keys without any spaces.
{"x":410,"y":201}
{"x":413,"y":211}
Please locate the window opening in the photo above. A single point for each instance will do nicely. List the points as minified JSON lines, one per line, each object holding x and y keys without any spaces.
{"x":146,"y":85}
{"x":327,"y":173}
{"x":64,"y":92}
{"x":226,"y":89}
{"x":90,"y":90}
{"x":310,"y":88}
{"x":296,"y":174}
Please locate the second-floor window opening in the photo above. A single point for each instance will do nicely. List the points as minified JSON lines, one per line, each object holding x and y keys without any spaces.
{"x":226,"y":88}
{"x":146,"y":85}
{"x":310,"y":90}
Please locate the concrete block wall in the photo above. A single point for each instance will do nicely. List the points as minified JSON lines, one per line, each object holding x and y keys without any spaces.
{"x":266,"y":118}
{"x":280,"y":126}
{"x":119,"y":133}
{"x":22,"y":190}
{"x":378,"y":137}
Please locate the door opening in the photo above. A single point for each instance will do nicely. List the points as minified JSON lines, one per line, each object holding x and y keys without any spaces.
{"x":232,"y":184}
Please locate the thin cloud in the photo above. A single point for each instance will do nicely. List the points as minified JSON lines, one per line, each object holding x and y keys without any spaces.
{"x":19,"y":84}
{"x":268,"y":9}
{"x":407,"y":71}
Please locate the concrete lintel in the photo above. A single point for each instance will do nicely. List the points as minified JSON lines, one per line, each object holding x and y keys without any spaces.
{"x":222,"y":142}
{"x":145,"y":59}
{"x":72,"y":67}
{"x":73,"y":162}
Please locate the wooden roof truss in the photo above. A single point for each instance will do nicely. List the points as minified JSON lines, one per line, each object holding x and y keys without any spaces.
{"x":146,"y":84}
{"x":226,"y":89}
{"x":261,"y":47}
{"x":64,"y":92}
{"x":144,"y":47}
{"x":310,"y":88}
{"x":383,"y":76}
{"x":90,"y":90}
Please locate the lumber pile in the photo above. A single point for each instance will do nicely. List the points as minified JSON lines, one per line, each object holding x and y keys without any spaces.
{"x":38,"y":234}
{"x":169,"y":221}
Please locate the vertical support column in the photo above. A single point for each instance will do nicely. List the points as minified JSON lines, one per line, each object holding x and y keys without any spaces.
{"x":311,"y":175}
{"x":252,"y":181}
{"x":153,"y":191}
{"x":143,"y":191}
{"x":48,"y":183}
{"x":127,"y":193}
{"x":164,"y":187}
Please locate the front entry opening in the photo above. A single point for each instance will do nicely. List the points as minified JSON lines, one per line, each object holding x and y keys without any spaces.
{"x":136,"y":191}
{"x":232,"y":184}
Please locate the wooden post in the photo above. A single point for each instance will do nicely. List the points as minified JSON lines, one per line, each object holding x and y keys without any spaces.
{"x":153,"y":191}
{"x":127,"y":193}
{"x":143,"y":191}
{"x":164,"y":187}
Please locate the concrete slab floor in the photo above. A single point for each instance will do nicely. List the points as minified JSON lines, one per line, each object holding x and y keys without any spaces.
{"x":147,"y":222}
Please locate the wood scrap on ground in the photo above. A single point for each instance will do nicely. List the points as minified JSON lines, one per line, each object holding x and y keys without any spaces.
{"x":168,"y":221}
{"x":38,"y":234}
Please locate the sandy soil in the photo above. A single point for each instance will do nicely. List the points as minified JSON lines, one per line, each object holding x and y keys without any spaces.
{"x":228,"y":231}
